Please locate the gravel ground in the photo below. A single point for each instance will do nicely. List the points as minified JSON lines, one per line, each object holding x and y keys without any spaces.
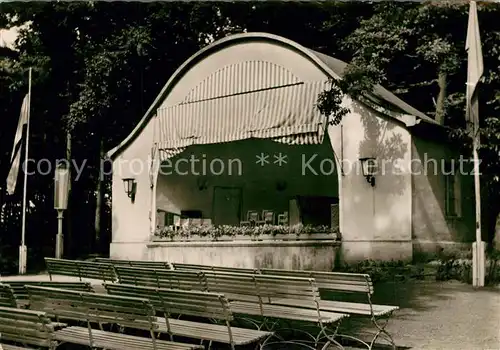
{"x":443,"y":315}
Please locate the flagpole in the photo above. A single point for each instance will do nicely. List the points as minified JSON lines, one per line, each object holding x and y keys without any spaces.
{"x":23,"y":249}
{"x":475,"y":70}
{"x":479,"y":258}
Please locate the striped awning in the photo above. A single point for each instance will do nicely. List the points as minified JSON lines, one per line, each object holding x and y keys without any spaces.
{"x":285,"y":114}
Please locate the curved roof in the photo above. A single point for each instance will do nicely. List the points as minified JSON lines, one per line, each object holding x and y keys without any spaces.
{"x":330,"y":65}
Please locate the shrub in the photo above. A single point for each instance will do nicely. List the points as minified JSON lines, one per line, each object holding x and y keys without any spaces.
{"x":8,"y":261}
{"x":384,"y":271}
{"x":454,"y":269}
{"x":451,"y":268}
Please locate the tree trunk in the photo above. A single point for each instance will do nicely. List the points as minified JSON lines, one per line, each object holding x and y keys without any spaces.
{"x":142,"y":87}
{"x":1,"y":204}
{"x":99,"y":197}
{"x":491,"y":233}
{"x":68,"y":234}
{"x":441,"y":100}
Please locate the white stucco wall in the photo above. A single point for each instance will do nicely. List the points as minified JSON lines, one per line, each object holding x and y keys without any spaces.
{"x":369,"y":217}
{"x":130,"y":220}
{"x":432,"y":229}
{"x":374,"y":216}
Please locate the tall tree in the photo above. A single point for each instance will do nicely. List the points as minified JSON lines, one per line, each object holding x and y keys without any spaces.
{"x":418,"y":51}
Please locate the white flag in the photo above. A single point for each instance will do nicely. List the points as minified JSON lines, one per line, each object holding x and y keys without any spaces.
{"x":475,"y":68}
{"x":15,"y":160}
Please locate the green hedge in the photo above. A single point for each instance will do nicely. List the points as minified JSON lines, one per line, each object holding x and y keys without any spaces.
{"x":384,"y":271}
{"x":445,"y":269}
{"x":461,"y":270}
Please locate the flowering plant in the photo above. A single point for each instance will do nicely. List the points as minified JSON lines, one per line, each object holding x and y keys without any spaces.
{"x":216,"y":232}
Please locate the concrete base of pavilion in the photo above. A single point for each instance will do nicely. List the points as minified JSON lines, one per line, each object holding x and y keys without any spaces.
{"x":321,"y":255}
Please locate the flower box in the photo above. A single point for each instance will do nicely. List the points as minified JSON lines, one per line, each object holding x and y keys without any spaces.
{"x":239,"y":233}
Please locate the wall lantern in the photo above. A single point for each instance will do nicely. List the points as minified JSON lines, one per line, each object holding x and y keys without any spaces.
{"x":370,"y":168}
{"x":202,"y":183}
{"x":130,"y":186}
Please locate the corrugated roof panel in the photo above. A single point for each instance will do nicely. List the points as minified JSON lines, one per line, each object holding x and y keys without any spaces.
{"x":240,"y":78}
{"x":271,"y":113}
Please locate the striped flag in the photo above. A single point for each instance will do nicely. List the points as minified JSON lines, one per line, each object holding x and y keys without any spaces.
{"x":475,"y":69}
{"x":16,"y":151}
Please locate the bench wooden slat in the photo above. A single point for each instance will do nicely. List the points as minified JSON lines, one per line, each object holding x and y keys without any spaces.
{"x":192,"y":303}
{"x":332,"y":281}
{"x":212,"y":268}
{"x":252,"y":294}
{"x":213,"y":332}
{"x":285,"y":312}
{"x":136,"y":263}
{"x":7,"y":296}
{"x":348,"y":282}
{"x":178,"y":302}
{"x":116,"y":341}
{"x":131,"y":312}
{"x":236,"y":289}
{"x":21,"y":294}
{"x":137,"y":313}
{"x":80,"y":269}
{"x":234,"y":286}
{"x":161,"y":278}
{"x":13,"y":347}
{"x":25,"y":326}
{"x":342,"y":306}
{"x":339,"y":282}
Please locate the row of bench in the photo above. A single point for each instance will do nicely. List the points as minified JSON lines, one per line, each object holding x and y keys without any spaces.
{"x":181,"y":279}
{"x":15,"y":294}
{"x":92,"y":307}
{"x":249,"y":296}
{"x":63,"y":302}
{"x":110,"y":270}
{"x":25,"y":326}
{"x":42,"y":325}
{"x":270,"y":292}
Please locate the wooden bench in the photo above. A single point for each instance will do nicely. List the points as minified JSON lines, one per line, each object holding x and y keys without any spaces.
{"x":7,"y":297}
{"x":198,"y":304}
{"x":80,"y":269}
{"x":212,"y":268}
{"x":342,"y":283}
{"x":235,"y":286}
{"x":136,"y":263}
{"x":21,"y":294}
{"x":99,"y":308}
{"x":30,"y":328}
{"x":161,"y":278}
{"x":252,"y":295}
